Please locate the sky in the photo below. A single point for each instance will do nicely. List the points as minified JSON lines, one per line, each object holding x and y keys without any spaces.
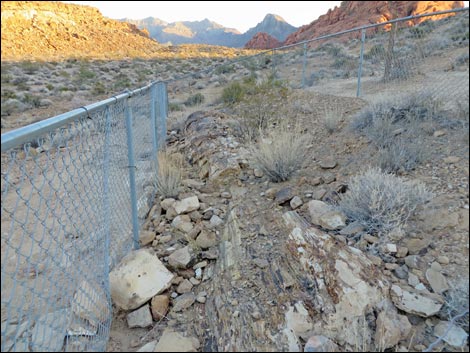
{"x":241,"y":15}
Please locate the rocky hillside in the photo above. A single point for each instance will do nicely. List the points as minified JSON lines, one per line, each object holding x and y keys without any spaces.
{"x":209,"y":32}
{"x":47,"y":30}
{"x":262,"y":40}
{"x":357,"y":13}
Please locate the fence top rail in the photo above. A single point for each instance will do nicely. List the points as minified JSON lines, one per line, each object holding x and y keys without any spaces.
{"x":371,"y":26}
{"x":27,"y":133}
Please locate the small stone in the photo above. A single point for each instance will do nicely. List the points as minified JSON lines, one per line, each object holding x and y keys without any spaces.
{"x":416,"y":245}
{"x":320,"y":344}
{"x":186,"y":205}
{"x":402,"y":251}
{"x":401,"y":272}
{"x":148,"y":347}
{"x":318,"y":194}
{"x":391,"y":266}
{"x":296,"y":202}
{"x":456,"y":337}
{"x":140,"y":317}
{"x":206,"y":239}
{"x":180,"y":258}
{"x":215,"y":221}
{"x":415,"y":303}
{"x":436,"y":266}
{"x":201,"y":299}
{"x":198,"y":273}
{"x":165,"y":238}
{"x":184,"y":287}
{"x":443,"y":260}
{"x":167,"y":203}
{"x":391,"y":248}
{"x":328,"y":164}
{"x":236,"y":313}
{"x":200,"y":265}
{"x":413,"y":280}
{"x":352,"y":229}
{"x":146,"y":237}
{"x":439,"y":133}
{"x":226,"y":195}
{"x":332,"y":220}
{"x":182,"y":223}
{"x":174,"y":295}
{"x":159,"y":306}
{"x":183,"y":301}
{"x":256,"y":315}
{"x":194,"y":281}
{"x":437,"y":281}
{"x":261,"y":263}
{"x":172,"y":341}
{"x":284,"y":195}
{"x":412,"y":261}
{"x":316,"y":181}
{"x":419,"y":347}
{"x":258,"y":173}
{"x":271,"y":193}
{"x":370,"y":238}
{"x":328,"y":178}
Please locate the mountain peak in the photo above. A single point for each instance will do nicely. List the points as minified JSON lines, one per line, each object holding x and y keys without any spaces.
{"x":271,"y":17}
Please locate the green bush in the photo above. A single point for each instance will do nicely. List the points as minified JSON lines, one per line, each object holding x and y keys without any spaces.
{"x":195,"y":99}
{"x":233,"y":93}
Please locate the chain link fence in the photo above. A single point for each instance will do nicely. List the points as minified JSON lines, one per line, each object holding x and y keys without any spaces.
{"x":76,"y":188}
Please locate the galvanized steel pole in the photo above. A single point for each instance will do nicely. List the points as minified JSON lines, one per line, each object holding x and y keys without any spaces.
{"x":304,"y":66}
{"x":361,"y":60}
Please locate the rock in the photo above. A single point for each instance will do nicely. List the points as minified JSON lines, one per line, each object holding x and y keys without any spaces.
{"x":439,"y":133}
{"x":298,"y":320}
{"x":437,"y":281}
{"x":182,"y":223}
{"x":352,"y":229}
{"x":412,"y":261}
{"x":206,"y":239}
{"x":11,"y":334}
{"x":416,"y":245}
{"x":138,"y":277}
{"x":258,"y":173}
{"x":316,"y":209}
{"x":284,"y":195}
{"x":316,"y":181}
{"x":415,"y":303}
{"x":370,"y":238}
{"x":200,"y":265}
{"x":146,"y":237}
{"x":170,"y":213}
{"x":183,"y":301}
{"x":89,"y":303}
{"x":167,"y":203}
{"x":180,"y":258}
{"x":391,"y":328}
{"x":413,"y":280}
{"x":261,"y":263}
{"x":215,"y":222}
{"x":456,"y":337}
{"x":328,"y":164}
{"x":391,"y":248}
{"x":186,"y":205}
{"x":194,"y":281}
{"x":296,"y":202}
{"x":262,"y":40}
{"x":436,"y":266}
{"x":332,"y":220}
{"x":198,"y":273}
{"x":443,"y":260}
{"x":401,"y":272}
{"x":140,"y":317}
{"x":451,"y":160}
{"x":328,"y":178}
{"x":172,"y":341}
{"x":320,"y":344}
{"x":402,"y":251}
{"x":201,"y":299}
{"x":159,"y":306}
{"x":184,"y":287}
{"x":148,"y":347}
{"x":165,"y":239}
{"x":49,"y":332}
{"x":226,"y":195}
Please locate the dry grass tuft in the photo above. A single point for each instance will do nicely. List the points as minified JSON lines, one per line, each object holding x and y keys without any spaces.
{"x":168,"y":174}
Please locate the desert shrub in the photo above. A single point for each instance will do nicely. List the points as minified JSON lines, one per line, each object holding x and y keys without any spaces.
{"x":85,"y":74}
{"x":224,"y":69}
{"x":381,"y":201}
{"x":168,"y":174}
{"x":461,"y":60}
{"x":30,"y":67}
{"x":457,"y":302}
{"x":375,"y":53}
{"x":403,"y":154}
{"x":331,"y":116}
{"x":98,"y":88}
{"x":32,"y":100}
{"x":175,"y":107}
{"x":195,"y":99}
{"x":281,"y":153}
{"x":233,"y":93}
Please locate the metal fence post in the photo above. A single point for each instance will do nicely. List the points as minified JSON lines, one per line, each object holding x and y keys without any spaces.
{"x":361,"y":60}
{"x":273,"y":66}
{"x":304,"y":66}
{"x":162,"y":99}
{"x":130,"y":155}
{"x":153,"y":119}
{"x":106,"y":209}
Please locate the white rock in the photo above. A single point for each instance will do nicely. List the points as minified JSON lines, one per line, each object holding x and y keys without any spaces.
{"x":186,"y":205}
{"x":148,"y":347}
{"x":456,"y":337}
{"x":415,"y":303}
{"x":296,"y":202}
{"x":167,"y":203}
{"x":182,"y":223}
{"x":184,"y":287}
{"x":437,"y":281}
{"x":139,"y":276}
{"x":172,"y":341}
{"x":140,"y":317}
{"x":325,"y":216}
{"x":391,"y":328}
{"x":391,"y":248}
{"x":320,"y":344}
{"x":215,"y":221}
{"x":89,"y":303}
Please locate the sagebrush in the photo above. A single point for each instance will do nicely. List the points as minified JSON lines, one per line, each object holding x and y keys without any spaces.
{"x":168,"y":174}
{"x":381,"y":201}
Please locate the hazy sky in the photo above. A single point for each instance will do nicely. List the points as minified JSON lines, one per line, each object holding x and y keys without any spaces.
{"x":241,"y":15}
